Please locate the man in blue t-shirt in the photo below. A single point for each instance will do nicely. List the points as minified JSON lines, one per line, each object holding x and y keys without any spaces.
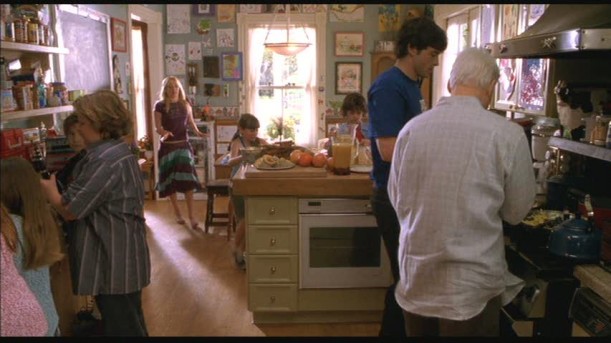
{"x":394,"y":98}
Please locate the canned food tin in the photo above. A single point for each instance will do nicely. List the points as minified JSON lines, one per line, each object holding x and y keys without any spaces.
{"x":33,"y":33}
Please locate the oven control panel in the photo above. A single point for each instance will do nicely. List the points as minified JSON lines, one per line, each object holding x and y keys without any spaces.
{"x":591,"y":312}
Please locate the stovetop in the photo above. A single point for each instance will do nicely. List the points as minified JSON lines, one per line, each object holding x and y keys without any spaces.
{"x":545,"y":264}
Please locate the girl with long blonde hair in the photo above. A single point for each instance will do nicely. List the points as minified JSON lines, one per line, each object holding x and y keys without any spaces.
{"x":173,"y":115}
{"x":37,"y":240}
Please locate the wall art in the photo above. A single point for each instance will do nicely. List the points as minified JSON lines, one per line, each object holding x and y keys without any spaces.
{"x":204,"y":9}
{"x":348,"y":77}
{"x":211,"y":67}
{"x":119,"y":35}
{"x":231,"y":66}
{"x":225,"y":13}
{"x":175,"y":59}
{"x":178,"y":19}
{"x":225,"y":38}
{"x":195,"y":51}
{"x":347,"y":13}
{"x":349,"y":44}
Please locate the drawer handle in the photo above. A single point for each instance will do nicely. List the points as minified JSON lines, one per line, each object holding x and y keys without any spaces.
{"x":272,"y":211}
{"x":272,"y":241}
{"x":272,"y":299}
{"x":273,"y":270}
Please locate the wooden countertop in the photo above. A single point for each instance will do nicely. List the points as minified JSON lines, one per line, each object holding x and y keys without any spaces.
{"x":595,"y":278}
{"x":332,"y":185}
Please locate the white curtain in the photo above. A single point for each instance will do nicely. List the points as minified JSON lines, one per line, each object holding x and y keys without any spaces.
{"x":255,"y":58}
{"x":307,"y":77}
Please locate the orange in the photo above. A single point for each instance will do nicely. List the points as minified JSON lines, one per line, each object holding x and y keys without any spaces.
{"x":305,"y":159}
{"x":319,"y":160}
{"x":294,"y":156}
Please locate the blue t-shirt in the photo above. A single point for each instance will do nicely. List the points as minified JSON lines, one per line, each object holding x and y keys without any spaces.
{"x":393,"y":99}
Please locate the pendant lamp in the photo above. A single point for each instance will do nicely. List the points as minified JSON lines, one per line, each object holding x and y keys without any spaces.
{"x":288,"y":47}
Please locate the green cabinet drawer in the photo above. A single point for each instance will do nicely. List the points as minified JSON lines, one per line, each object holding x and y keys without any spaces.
{"x":271,"y":210}
{"x":272,"y":298}
{"x":273,"y":268}
{"x":272,"y":240}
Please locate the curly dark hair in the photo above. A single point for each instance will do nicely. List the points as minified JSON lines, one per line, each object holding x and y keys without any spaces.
{"x":420,"y":32}
{"x":353,"y":102}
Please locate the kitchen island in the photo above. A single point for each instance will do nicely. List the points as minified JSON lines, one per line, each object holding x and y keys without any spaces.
{"x":273,"y":250}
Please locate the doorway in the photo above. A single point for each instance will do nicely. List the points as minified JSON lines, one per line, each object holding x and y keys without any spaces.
{"x":146,"y":51}
{"x":141,"y":87}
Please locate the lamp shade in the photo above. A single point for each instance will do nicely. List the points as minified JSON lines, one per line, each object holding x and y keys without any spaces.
{"x":287,"y":48}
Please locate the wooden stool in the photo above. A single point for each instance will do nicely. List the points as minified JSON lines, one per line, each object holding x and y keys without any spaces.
{"x":213,"y":189}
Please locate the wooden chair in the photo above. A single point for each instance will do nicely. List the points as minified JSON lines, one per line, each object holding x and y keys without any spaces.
{"x":214,"y":188}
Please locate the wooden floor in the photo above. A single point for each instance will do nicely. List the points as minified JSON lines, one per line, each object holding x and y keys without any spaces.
{"x":196,"y":289}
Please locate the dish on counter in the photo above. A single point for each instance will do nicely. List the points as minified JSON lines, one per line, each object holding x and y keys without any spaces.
{"x":359,"y":168}
{"x":268,"y":162}
{"x":543,"y":219}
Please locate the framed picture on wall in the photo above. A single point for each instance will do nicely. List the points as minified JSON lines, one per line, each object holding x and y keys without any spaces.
{"x":348,"y":77}
{"x":231,"y":66}
{"x":206,"y":9}
{"x":349,"y":44}
{"x":119,"y":35}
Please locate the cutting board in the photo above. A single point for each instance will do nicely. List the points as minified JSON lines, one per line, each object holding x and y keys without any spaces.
{"x":295,"y":172}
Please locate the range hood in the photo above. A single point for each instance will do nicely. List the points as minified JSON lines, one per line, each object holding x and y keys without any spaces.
{"x":562,"y":30}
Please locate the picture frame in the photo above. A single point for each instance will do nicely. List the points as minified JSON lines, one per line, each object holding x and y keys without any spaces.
{"x":231,"y":66}
{"x":225,"y":13}
{"x":348,"y":77}
{"x":204,"y":9}
{"x":349,"y":44}
{"x":211,"y":67}
{"x":118,"y":35}
{"x":251,"y":8}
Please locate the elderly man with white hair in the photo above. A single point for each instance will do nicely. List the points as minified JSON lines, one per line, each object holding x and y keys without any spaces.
{"x":458,"y":171}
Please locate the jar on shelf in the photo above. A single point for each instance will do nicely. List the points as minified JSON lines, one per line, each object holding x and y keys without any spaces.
{"x":42,"y":38}
{"x":21,"y":30}
{"x":599,"y":132}
{"x":543,"y":129}
{"x":33,"y":37}
{"x":61,"y":91}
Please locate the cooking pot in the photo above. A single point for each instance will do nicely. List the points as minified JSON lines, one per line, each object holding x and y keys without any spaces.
{"x":577,"y":239}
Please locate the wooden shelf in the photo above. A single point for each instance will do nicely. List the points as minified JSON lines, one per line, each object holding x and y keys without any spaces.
{"x":589,"y":150}
{"x":15,"y":115}
{"x":34,"y":48}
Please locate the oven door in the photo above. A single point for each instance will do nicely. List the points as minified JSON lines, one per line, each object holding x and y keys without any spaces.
{"x":341,"y":251}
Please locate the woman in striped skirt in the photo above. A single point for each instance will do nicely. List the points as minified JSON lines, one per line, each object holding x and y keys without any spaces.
{"x":173,"y":114}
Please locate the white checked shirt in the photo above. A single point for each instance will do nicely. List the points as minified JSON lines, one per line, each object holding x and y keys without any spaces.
{"x":457,"y":172}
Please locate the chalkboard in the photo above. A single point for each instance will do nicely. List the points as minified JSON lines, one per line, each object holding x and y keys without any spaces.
{"x":87,"y":66}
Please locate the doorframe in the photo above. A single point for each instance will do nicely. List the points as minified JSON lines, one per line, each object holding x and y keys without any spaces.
{"x":154,"y":38}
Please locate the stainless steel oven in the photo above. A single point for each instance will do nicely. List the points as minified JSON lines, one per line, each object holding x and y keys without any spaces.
{"x":340,"y":246}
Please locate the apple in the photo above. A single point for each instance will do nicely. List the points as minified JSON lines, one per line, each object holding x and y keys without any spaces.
{"x":319,"y":160}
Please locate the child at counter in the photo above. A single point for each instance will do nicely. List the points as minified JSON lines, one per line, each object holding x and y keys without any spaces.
{"x":246,"y":136}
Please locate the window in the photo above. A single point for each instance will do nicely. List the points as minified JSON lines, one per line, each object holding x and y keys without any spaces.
{"x":282,"y":92}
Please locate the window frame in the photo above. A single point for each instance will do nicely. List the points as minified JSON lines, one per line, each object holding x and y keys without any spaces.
{"x":247,"y":21}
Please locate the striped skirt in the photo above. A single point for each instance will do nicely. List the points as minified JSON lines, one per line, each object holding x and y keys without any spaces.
{"x":176,"y":169}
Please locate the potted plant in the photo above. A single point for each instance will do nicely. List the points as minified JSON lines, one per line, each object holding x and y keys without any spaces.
{"x":145,"y":144}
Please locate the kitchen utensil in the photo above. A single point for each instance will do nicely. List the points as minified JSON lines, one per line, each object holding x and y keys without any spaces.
{"x":577,"y":238}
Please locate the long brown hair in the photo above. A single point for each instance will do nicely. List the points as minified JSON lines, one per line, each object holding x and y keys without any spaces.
{"x":21,"y":194}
